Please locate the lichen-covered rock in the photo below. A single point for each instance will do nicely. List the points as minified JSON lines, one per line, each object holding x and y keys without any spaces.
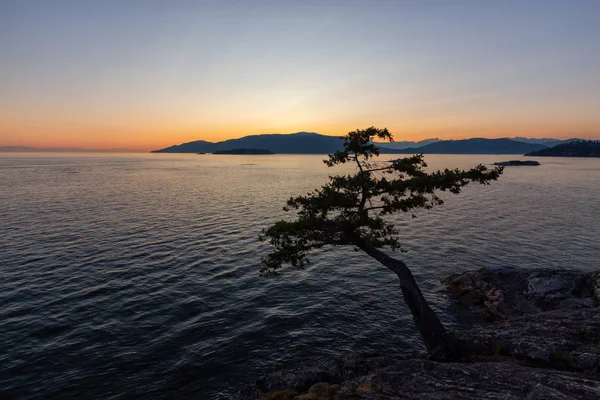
{"x":320,"y":391}
{"x":505,"y":292}
{"x":360,"y":364}
{"x":330,"y":371}
{"x":280,"y":395}
{"x":541,"y":392}
{"x":423,"y":379}
{"x":499,"y":378}
{"x":595,"y":283}
{"x":565,"y":339}
{"x":549,"y":317}
{"x":300,"y":379}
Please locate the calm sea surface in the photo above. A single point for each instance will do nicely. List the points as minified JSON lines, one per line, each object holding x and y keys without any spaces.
{"x":128,"y":276}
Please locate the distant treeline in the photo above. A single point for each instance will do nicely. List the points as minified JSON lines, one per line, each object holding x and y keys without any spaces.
{"x":577,"y":148}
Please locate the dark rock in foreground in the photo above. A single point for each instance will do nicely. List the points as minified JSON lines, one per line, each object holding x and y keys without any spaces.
{"x":566,"y":340}
{"x":384,"y":378}
{"x":500,"y":293}
{"x":544,"y":317}
{"x":536,"y":335}
{"x":516,"y":163}
{"x":424,"y":379}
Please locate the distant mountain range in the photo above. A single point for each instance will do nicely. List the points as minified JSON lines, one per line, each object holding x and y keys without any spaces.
{"x":545,"y":141}
{"x":294,"y":143}
{"x":407,"y":144}
{"x":475,"y":146}
{"x":314,"y":143}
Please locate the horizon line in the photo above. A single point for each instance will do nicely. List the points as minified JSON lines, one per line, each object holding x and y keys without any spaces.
{"x":67,"y":149}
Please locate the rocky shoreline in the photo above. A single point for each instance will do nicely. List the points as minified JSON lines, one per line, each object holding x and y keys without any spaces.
{"x":533,"y":334}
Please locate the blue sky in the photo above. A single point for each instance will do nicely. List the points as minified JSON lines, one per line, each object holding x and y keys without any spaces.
{"x":153,"y":73}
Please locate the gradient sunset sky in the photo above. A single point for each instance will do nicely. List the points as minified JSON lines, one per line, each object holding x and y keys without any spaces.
{"x":148,"y":74}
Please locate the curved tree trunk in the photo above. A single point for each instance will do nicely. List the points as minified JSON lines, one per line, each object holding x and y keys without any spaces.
{"x":439,"y":342}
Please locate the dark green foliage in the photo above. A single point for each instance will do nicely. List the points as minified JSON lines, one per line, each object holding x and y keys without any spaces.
{"x":577,"y":148}
{"x":350,"y":209}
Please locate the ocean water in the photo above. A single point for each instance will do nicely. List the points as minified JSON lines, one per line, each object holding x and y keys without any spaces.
{"x":136,"y":276}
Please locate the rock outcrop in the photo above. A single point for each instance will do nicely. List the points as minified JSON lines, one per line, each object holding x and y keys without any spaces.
{"x":502,"y":293}
{"x":533,"y":334}
{"x":547,"y":318}
{"x":559,"y":339}
{"x":424,"y":379}
{"x":376,"y":377}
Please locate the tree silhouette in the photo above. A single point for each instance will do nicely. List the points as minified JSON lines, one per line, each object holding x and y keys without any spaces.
{"x":350,"y":210}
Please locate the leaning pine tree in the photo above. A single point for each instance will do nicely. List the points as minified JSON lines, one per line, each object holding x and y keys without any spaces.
{"x":350,"y":210}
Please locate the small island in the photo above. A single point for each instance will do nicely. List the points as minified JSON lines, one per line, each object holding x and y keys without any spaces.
{"x":516,"y":163}
{"x":576,"y":148}
{"x":244,"y":151}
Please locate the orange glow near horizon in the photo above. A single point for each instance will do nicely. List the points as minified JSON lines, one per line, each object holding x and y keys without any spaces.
{"x":152,"y":138}
{"x":148,"y":76}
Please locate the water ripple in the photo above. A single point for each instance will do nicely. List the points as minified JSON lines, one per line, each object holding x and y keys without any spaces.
{"x":136,"y":276}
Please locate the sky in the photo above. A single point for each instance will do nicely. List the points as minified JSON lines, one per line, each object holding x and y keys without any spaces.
{"x":149,"y":74}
